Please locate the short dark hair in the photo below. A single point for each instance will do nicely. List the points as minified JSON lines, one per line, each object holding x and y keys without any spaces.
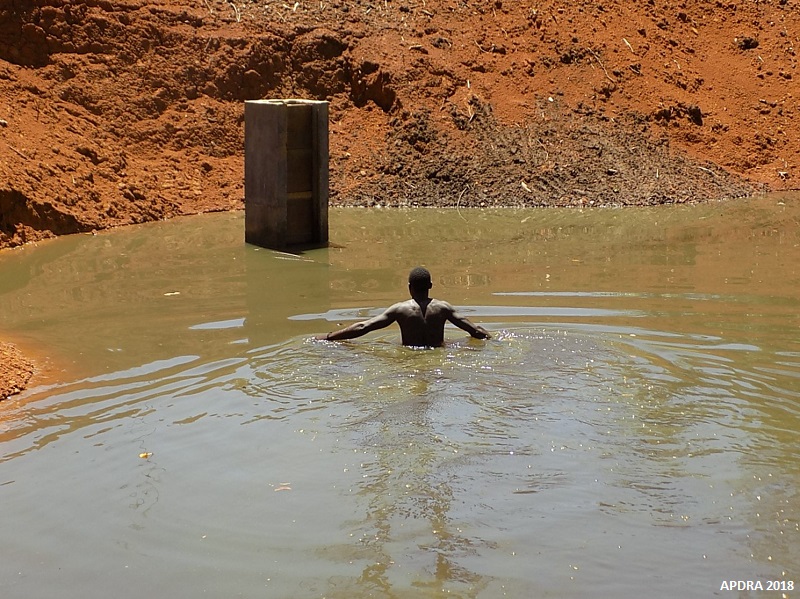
{"x":420,"y":279}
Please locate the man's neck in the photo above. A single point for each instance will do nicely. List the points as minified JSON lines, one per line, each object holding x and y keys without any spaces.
{"x":420,"y":298}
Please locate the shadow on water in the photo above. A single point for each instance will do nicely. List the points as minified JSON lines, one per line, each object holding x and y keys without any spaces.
{"x":635,"y":415}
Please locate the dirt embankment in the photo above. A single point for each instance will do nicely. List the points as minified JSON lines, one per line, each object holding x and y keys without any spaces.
{"x":122,"y":111}
{"x":15,"y":370}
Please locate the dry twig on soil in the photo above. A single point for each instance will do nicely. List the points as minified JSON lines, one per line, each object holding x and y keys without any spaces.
{"x":236,"y":12}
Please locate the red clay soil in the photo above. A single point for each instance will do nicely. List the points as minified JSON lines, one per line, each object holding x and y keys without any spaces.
{"x":15,"y":370}
{"x":123,"y":111}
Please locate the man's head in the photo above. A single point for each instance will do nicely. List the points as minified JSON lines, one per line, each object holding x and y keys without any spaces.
{"x":419,"y":280}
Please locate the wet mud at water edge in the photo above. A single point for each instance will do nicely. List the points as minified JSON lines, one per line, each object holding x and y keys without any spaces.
{"x":630,"y":429}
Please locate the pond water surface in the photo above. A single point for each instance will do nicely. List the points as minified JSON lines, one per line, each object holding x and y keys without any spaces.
{"x":632,"y":429}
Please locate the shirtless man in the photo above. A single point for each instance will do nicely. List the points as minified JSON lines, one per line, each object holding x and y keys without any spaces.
{"x":421,"y":318}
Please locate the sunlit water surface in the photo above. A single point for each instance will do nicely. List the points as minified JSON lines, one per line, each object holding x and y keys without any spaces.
{"x":631,"y":430}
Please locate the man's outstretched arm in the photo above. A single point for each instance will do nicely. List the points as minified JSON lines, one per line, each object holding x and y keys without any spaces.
{"x":462,"y":322}
{"x":362,"y":328}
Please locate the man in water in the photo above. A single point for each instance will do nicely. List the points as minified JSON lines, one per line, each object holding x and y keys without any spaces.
{"x":421,"y":318}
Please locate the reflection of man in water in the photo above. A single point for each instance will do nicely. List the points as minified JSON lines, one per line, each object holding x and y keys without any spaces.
{"x":421,"y":318}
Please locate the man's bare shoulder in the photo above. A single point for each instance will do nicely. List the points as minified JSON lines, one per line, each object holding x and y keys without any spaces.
{"x":441,"y":306}
{"x":401,"y":307}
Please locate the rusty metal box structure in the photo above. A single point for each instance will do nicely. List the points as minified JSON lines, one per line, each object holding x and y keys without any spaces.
{"x":286,"y":173}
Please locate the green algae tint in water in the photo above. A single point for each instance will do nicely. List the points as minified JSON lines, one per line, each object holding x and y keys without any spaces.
{"x":631,"y":429}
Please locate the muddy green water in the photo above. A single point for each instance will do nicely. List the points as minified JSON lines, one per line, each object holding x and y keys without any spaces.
{"x":631,"y":430}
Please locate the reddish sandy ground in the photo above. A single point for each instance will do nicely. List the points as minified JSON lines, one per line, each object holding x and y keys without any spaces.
{"x":121,"y":111}
{"x":15,"y":370}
